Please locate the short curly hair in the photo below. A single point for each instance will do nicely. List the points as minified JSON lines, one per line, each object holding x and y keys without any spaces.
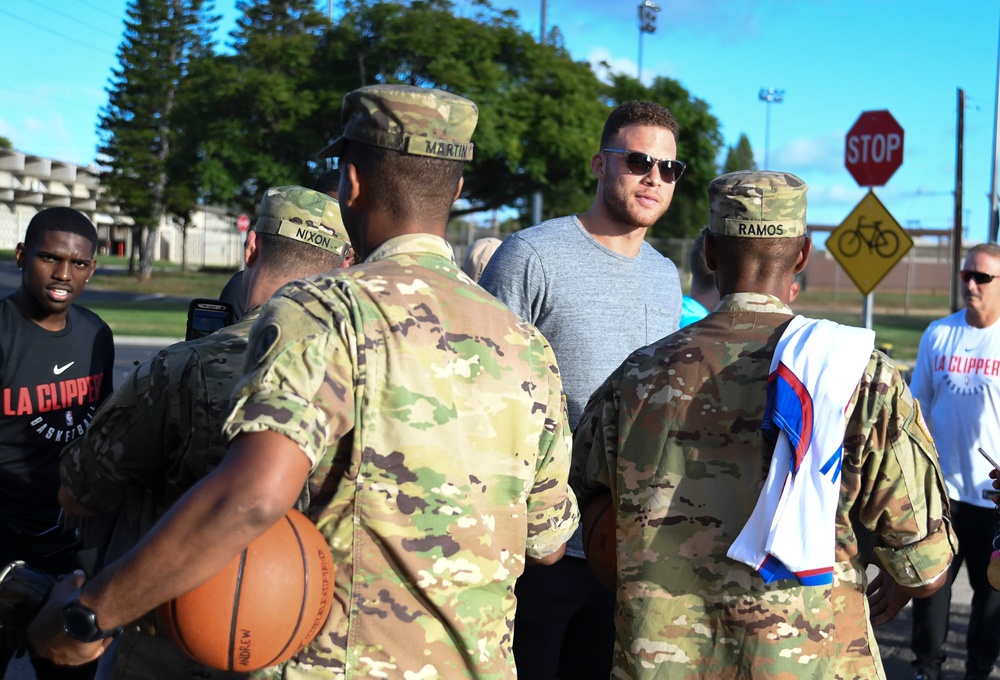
{"x":637,"y":113}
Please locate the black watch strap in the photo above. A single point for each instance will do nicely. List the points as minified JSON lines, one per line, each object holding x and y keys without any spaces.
{"x":80,"y":622}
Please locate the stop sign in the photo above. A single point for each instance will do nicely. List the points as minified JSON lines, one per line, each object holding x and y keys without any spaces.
{"x":243,"y":222}
{"x":874,"y":148}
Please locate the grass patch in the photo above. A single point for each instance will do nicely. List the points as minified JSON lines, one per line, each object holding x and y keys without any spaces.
{"x":167,"y":319}
{"x":161,"y":317}
{"x":169,"y":283}
{"x":899,"y":319}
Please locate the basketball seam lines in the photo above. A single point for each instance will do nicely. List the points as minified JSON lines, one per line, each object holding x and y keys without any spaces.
{"x":236,"y":611}
{"x":175,"y":620}
{"x":305,"y":592}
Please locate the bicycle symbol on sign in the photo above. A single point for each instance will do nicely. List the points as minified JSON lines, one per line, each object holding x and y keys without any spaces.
{"x":882,"y":241}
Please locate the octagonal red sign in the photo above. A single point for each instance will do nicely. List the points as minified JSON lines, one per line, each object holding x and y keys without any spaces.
{"x":874,"y":148}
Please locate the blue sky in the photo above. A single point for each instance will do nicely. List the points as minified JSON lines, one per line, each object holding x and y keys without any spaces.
{"x":833,"y":59}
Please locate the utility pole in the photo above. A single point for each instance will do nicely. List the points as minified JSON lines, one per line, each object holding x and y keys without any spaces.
{"x":536,"y":198}
{"x":541,"y":31}
{"x":647,"y":24}
{"x":994,"y":199}
{"x":956,"y":237}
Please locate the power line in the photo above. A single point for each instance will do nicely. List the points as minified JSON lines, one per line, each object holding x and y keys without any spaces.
{"x":99,"y":9}
{"x":76,"y":20}
{"x":45,"y":96}
{"x":61,"y":35}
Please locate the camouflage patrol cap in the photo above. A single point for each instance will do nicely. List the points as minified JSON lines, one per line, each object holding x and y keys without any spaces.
{"x":757,"y":204}
{"x":408,"y":119}
{"x":302,"y":215}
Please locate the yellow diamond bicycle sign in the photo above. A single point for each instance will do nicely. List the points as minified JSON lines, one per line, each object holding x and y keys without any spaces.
{"x":869,"y":243}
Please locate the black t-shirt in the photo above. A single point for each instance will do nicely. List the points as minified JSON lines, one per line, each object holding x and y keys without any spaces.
{"x":51,"y":382}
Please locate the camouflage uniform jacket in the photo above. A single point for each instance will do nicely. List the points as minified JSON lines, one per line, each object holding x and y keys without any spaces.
{"x":675,"y":433}
{"x":435,"y":424}
{"x":157,"y":434}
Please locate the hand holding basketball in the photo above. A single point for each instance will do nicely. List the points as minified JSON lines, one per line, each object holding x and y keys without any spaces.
{"x":263,"y":607}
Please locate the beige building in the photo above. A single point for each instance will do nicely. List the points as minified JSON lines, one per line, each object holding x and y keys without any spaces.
{"x":29,"y":184}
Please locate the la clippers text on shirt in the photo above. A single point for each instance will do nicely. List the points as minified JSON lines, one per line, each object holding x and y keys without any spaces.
{"x":54,"y":396}
{"x":956,"y":365}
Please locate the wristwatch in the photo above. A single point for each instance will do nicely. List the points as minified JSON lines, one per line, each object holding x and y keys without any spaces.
{"x":80,"y":622}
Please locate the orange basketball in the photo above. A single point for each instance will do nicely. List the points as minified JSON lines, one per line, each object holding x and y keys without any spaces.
{"x":263,"y":607}
{"x":599,"y":539}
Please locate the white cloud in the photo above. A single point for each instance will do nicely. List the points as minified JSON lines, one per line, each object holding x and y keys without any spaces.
{"x":811,"y":154}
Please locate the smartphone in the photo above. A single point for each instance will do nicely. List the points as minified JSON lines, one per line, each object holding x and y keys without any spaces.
{"x":207,"y":316}
{"x":987,"y":457}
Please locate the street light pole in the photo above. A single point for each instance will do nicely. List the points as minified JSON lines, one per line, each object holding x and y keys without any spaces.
{"x":647,"y":24}
{"x":994,"y":197}
{"x":769,"y":95}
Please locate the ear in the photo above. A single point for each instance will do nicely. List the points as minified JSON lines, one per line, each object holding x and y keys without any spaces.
{"x":710,"y":255}
{"x":19,"y":254}
{"x":458,"y":191}
{"x":355,"y":186}
{"x":803,"y":260}
{"x":93,"y":268}
{"x":597,"y":166}
{"x":250,"y":249}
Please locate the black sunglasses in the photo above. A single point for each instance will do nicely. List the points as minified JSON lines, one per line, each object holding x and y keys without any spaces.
{"x":639,"y":163}
{"x":979,"y":277}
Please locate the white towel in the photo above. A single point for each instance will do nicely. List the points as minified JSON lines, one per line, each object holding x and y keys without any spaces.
{"x":791,"y":533}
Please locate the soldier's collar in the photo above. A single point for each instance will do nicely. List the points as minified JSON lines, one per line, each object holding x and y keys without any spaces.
{"x":753,"y":302}
{"x":412,"y":243}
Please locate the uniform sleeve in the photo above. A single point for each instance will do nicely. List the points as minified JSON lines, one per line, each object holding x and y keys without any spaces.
{"x":553,"y":515}
{"x":299,"y":377}
{"x":891,"y":461}
{"x":126,"y":442}
{"x":595,"y":443}
{"x":514,"y":276}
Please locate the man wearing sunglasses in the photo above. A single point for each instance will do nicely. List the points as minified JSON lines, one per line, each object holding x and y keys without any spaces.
{"x":597,"y":291}
{"x":957,"y":382}
{"x":739,"y":554}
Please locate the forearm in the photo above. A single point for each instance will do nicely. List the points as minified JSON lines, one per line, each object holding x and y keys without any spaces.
{"x":549,"y":559}
{"x":211,"y":524}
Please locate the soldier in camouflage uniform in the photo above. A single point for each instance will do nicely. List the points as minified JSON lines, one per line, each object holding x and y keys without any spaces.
{"x":413,"y":417}
{"x":675,"y":435}
{"x":161,"y":431}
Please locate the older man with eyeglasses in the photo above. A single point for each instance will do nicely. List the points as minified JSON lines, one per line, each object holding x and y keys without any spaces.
{"x":597,"y":291}
{"x":957,"y":383}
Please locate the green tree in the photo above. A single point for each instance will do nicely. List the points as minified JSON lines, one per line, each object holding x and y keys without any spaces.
{"x":6,"y":143}
{"x":739,"y":157}
{"x":276,"y":100}
{"x":539,"y":111}
{"x":136,"y":125}
{"x":698,"y":145}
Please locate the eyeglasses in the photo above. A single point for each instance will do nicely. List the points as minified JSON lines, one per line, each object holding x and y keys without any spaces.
{"x":979,"y":277}
{"x":639,"y":163}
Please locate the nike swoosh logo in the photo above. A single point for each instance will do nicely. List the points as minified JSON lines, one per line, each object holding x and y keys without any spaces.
{"x":58,"y":370}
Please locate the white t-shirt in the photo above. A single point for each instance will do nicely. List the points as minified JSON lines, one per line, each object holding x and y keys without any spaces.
{"x":957,"y":382}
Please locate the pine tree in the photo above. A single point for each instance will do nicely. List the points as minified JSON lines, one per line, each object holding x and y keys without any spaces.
{"x":160,"y":39}
{"x":739,"y":157}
